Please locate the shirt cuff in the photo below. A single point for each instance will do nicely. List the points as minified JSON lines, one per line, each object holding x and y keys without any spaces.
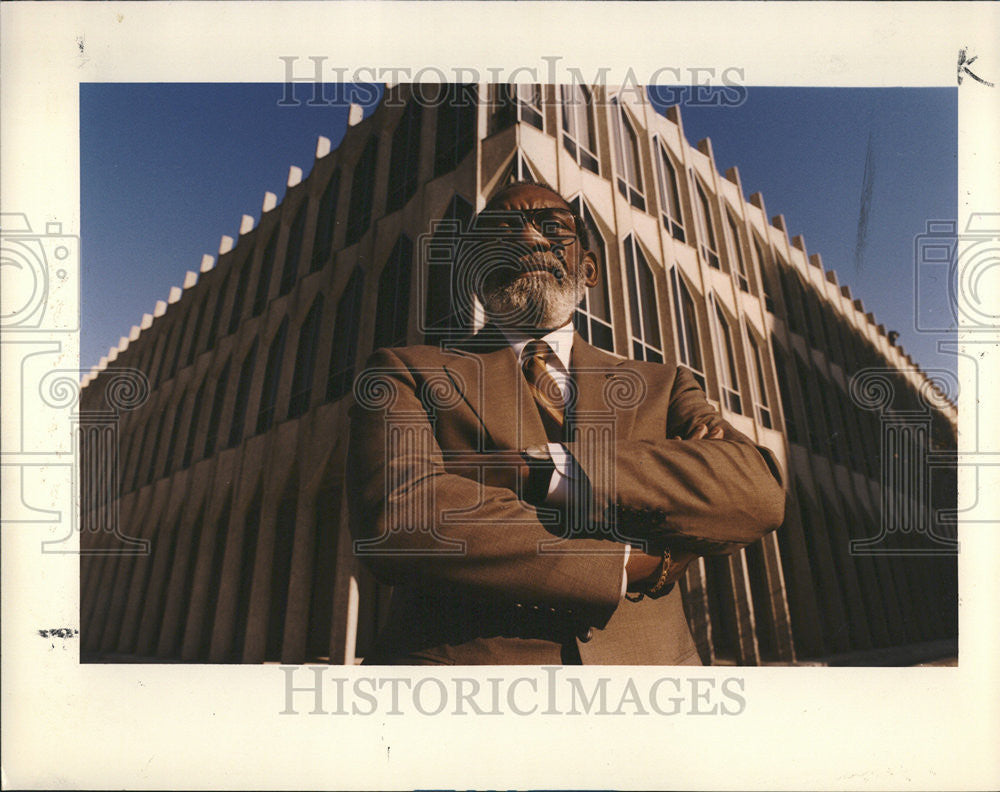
{"x":628,"y":549}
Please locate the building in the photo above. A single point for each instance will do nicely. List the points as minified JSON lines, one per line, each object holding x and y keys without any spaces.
{"x":213,"y":437}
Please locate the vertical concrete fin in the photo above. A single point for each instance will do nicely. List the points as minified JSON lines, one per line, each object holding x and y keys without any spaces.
{"x":270,"y":201}
{"x":207,"y":262}
{"x":190,"y":279}
{"x":294,"y":176}
{"x":355,"y":115}
{"x":323,"y":147}
{"x":174,"y":296}
{"x":159,"y":309}
{"x":246,"y":225}
{"x":733,"y":174}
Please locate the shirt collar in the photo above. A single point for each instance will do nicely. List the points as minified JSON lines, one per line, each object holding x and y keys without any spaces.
{"x":560,"y":339}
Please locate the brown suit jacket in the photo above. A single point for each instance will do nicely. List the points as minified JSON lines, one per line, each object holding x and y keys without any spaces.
{"x":479,"y":575}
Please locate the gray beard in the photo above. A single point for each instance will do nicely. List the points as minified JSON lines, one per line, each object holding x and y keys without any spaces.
{"x":535,"y":299}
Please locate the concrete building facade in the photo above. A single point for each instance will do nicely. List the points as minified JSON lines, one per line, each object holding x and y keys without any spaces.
{"x":213,"y":500}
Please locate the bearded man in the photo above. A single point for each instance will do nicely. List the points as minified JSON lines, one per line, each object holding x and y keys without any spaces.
{"x":531,"y":498}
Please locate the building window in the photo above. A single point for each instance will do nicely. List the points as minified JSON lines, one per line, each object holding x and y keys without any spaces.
{"x":193,"y":347}
{"x":728,"y":381}
{"x":264,"y":279}
{"x":579,"y":125}
{"x":447,"y":310}
{"x":627,"y":154}
{"x":325,"y":223}
{"x":742,"y":276}
{"x":835,"y":442}
{"x":272,"y":376}
{"x":168,"y":460}
{"x":193,"y":427}
{"x":792,"y":315}
{"x":151,"y":470}
{"x":812,"y":416}
{"x":758,"y":381}
{"x":242,"y":395}
{"x":787,"y":406}
{"x":708,"y":245}
{"x":513,"y":103}
{"x":642,"y":305}
{"x":162,"y":370}
{"x":394,"y":296}
{"x":765,"y":274}
{"x":686,"y":320}
{"x":241,"y":289}
{"x":593,"y":316}
{"x":293,"y":252}
{"x":344,"y":349}
{"x":215,"y":417}
{"x":182,"y":325}
{"x":814,"y":317}
{"x":305,"y":360}
{"x":670,"y":202}
{"x":220,"y":299}
{"x":404,"y":162}
{"x":359,"y":210}
{"x":456,"y":126}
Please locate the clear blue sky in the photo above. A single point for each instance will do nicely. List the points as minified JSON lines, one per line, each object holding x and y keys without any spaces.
{"x":167,"y":169}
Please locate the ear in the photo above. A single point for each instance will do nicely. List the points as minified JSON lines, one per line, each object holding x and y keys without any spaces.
{"x":589,"y":263}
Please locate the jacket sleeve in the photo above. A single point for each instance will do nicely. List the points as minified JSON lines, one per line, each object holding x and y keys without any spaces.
{"x":708,"y":496}
{"x":412,"y":519}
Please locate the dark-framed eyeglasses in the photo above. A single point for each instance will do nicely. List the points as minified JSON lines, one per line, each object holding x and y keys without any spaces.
{"x":551,"y":222}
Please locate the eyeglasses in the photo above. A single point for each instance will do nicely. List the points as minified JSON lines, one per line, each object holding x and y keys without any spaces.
{"x":551,"y":222}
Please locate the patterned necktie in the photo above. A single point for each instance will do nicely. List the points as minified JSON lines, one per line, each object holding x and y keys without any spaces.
{"x":548,"y":396}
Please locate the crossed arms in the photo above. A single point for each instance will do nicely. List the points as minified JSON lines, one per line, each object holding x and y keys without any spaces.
{"x":418,"y":516}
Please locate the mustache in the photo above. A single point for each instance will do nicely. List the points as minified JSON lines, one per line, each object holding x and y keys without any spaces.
{"x":551,"y":262}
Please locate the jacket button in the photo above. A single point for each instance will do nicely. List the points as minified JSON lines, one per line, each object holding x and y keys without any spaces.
{"x":585,"y":637}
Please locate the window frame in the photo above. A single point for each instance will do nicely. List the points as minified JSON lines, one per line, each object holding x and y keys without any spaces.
{"x":584,"y":317}
{"x":673,"y":225}
{"x":686,"y":339}
{"x":725,"y":358}
{"x":579,"y":110}
{"x":624,"y":132}
{"x":639,"y":347}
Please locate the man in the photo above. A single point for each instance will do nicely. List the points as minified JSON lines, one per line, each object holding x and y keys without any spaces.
{"x":530,"y":496}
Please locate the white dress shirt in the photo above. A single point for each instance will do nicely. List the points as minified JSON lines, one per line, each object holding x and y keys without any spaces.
{"x":566,"y":468}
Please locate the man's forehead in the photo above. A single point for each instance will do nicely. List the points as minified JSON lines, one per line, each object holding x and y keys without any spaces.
{"x":528,"y":195}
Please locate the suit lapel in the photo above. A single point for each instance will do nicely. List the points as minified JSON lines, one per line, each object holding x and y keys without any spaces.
{"x":486,"y":373}
{"x":603,"y":384}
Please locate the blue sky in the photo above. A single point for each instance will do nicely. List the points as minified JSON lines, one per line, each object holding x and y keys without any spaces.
{"x":167,"y":169}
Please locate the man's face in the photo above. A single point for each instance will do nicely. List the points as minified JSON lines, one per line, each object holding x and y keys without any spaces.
{"x":530,"y":269}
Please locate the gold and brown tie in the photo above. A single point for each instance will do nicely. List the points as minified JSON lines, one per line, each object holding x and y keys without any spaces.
{"x":545,"y":389}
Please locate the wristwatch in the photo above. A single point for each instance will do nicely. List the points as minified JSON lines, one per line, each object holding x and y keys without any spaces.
{"x":540,"y":470}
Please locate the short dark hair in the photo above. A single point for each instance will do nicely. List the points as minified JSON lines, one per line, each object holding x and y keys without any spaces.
{"x":582,"y":232}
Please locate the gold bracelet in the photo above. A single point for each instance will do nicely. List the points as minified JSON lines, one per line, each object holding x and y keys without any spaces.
{"x":664,"y":570}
